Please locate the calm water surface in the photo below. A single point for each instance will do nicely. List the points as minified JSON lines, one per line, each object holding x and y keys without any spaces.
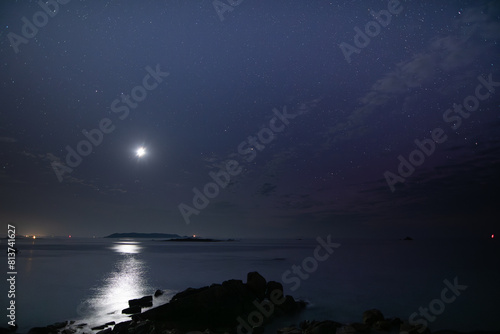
{"x":91,"y":280}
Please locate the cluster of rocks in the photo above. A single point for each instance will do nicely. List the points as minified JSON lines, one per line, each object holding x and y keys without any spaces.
{"x":136,"y":305}
{"x":373,"y":322}
{"x":218,"y":308}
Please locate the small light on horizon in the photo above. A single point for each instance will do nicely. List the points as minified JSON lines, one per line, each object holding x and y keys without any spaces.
{"x":69,"y":236}
{"x":492,"y":236}
{"x":194,"y":235}
{"x":34,"y":237}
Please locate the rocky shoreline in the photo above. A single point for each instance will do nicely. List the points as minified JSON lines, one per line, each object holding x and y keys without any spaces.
{"x":230,"y":307}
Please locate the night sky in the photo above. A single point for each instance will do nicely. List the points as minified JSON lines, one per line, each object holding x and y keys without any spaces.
{"x":302,"y":124}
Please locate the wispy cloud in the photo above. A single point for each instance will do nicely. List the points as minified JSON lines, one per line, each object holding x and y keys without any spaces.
{"x":443,"y":54}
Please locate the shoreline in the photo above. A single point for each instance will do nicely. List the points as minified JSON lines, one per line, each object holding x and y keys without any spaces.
{"x":232,"y":307}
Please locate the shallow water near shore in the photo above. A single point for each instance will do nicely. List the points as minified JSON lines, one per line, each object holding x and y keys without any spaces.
{"x":91,"y":280}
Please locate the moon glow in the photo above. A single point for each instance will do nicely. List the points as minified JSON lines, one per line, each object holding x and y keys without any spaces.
{"x":141,"y":151}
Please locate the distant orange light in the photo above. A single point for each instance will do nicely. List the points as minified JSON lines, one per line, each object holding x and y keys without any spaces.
{"x":194,"y":235}
{"x":34,"y":237}
{"x":492,"y":236}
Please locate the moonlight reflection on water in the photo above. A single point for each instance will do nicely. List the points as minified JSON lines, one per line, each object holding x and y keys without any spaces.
{"x":126,"y":281}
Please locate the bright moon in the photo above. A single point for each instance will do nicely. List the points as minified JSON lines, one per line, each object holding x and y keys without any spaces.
{"x":141,"y":151}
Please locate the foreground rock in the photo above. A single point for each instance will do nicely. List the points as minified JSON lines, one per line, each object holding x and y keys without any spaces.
{"x":146,"y":301}
{"x":222,"y":307}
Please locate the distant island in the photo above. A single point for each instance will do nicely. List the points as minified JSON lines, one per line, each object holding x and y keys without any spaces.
{"x":145,"y":235}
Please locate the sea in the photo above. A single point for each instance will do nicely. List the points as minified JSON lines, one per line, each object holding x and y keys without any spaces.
{"x":91,"y":280}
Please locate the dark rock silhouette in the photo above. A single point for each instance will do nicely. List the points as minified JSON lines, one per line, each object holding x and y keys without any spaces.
{"x":146,"y":301}
{"x":273,"y":286}
{"x":370,"y":317}
{"x":216,"y":306}
{"x":257,"y":284}
{"x":132,"y":310}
